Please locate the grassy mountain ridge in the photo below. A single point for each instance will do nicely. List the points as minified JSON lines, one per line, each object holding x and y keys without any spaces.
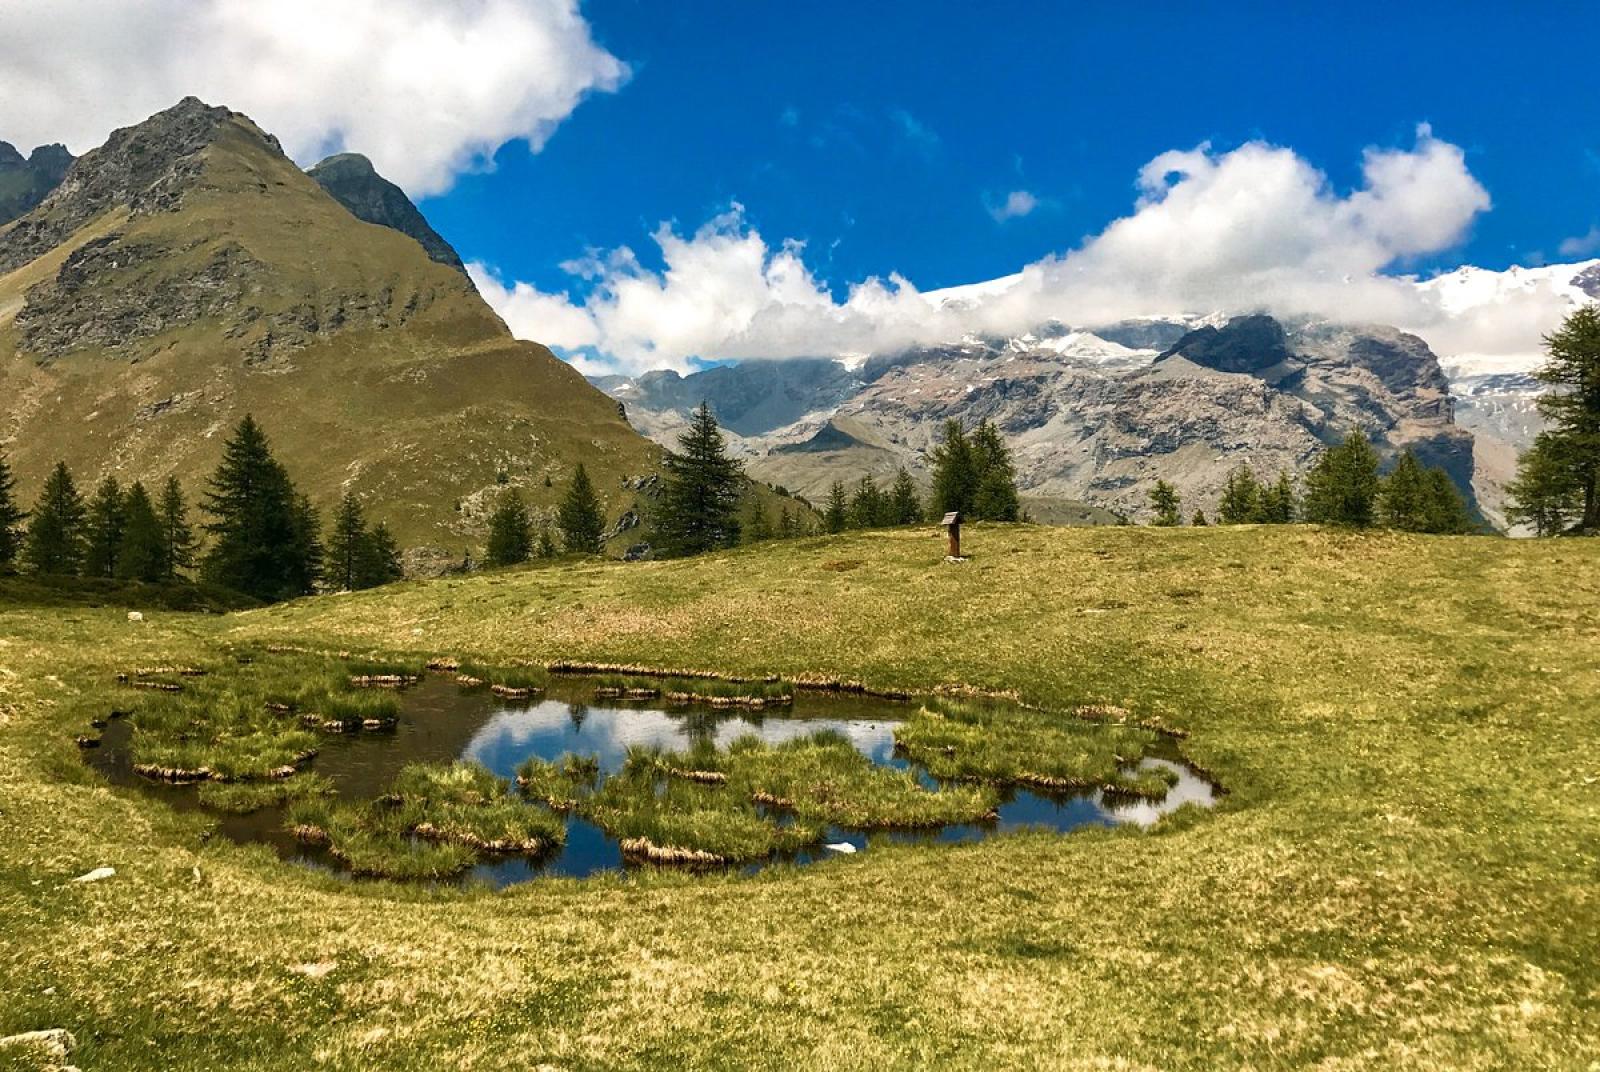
{"x":189,"y":272}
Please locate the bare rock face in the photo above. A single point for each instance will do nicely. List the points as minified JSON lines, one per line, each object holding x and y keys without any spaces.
{"x":351,"y":180}
{"x":1588,"y":281}
{"x":26,"y":181}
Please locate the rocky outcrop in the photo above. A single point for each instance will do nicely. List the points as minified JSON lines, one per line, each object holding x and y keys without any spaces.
{"x":26,"y":181}
{"x":351,"y":180}
{"x":145,"y":168}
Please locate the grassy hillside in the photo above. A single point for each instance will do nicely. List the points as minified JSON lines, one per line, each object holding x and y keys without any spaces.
{"x":137,"y":342}
{"x":1404,"y":874}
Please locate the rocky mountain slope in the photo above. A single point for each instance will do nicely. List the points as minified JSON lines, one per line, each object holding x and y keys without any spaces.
{"x":25,"y":181}
{"x":187,"y":272}
{"x":351,"y":180}
{"x":1089,"y":418}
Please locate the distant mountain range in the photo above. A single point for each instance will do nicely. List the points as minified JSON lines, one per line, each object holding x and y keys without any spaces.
{"x":187,"y":272}
{"x":26,"y":181}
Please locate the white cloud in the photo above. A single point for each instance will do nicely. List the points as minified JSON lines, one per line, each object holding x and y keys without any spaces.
{"x":426,"y":88}
{"x":1253,"y":228}
{"x":1018,"y":203}
{"x":1582,"y":245}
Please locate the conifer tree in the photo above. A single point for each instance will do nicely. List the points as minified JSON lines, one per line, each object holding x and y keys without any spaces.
{"x":347,"y":543}
{"x":1199,"y":519}
{"x":955,"y":471}
{"x":699,"y":508}
{"x":1342,"y":488}
{"x":263,"y":535}
{"x":836,"y":515}
{"x":1164,"y":498}
{"x":103,"y":530}
{"x":788,"y":528}
{"x":995,"y":496}
{"x":379,"y":561}
{"x":54,"y":544}
{"x":1277,"y":501}
{"x":1444,"y":509}
{"x":177,"y":535}
{"x":905,"y":508}
{"x":1403,"y":496}
{"x":1572,"y":407}
{"x":580,"y":518}
{"x":545,"y":545}
{"x":11,"y":518}
{"x":756,"y":526}
{"x":1545,"y":494}
{"x":1241,"y":498}
{"x":510,"y":531}
{"x":141,"y":555}
{"x":866,"y":506}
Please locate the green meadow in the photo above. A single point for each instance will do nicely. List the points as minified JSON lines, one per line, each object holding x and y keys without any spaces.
{"x":1404,"y":871}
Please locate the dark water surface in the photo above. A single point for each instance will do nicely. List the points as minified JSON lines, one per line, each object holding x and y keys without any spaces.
{"x":441,"y":722}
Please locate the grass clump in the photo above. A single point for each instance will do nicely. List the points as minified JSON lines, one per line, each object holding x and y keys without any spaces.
{"x":503,"y":679}
{"x":561,"y":785}
{"x":971,"y":742}
{"x":824,"y":779}
{"x":240,"y":798}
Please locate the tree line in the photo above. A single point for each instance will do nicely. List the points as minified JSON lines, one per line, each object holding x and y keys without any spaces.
{"x":264,"y":537}
{"x":1344,"y":488}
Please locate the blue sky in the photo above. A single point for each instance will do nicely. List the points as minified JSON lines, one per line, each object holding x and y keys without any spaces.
{"x":883,"y":135}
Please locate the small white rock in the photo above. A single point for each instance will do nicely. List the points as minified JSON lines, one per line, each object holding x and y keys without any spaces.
{"x":135,"y":616}
{"x":96,"y":875}
{"x":841,"y":846}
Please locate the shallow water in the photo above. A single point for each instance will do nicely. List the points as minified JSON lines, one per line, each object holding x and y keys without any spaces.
{"x":441,"y":722}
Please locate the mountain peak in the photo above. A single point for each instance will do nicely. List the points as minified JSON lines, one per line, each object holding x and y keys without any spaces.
{"x":147,"y":167}
{"x":351,"y":180}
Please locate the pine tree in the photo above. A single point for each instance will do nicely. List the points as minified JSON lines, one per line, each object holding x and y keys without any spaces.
{"x":347,"y":543}
{"x":1241,"y":498}
{"x":580,"y":518}
{"x":836,"y":515}
{"x":1545,"y":493}
{"x":756,"y":526}
{"x":699,"y":508}
{"x":1199,"y":519}
{"x":994,"y":498}
{"x":1572,"y":407}
{"x":1403,"y":496}
{"x":1164,"y":498}
{"x":177,"y":536}
{"x":11,"y":518}
{"x":545,"y":545}
{"x":1277,"y":501}
{"x":1444,"y":509}
{"x":510,"y":531}
{"x":955,"y":471}
{"x":905,"y":508}
{"x":103,"y":530}
{"x":263,"y":542}
{"x":788,"y":528}
{"x":1342,"y":488}
{"x":866,"y":506}
{"x":306,"y":551}
{"x":54,"y":544}
{"x":379,"y":561}
{"x":141,"y":556}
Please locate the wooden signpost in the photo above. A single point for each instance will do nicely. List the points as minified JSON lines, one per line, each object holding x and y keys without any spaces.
{"x":952,"y":525}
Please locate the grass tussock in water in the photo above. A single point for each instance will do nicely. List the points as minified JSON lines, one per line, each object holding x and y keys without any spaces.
{"x":515,"y":679}
{"x":436,"y":820}
{"x":240,"y":798}
{"x":561,"y":784}
{"x":1013,"y":746}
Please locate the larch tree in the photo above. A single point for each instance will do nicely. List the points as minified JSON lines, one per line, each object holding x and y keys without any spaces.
{"x":580,"y":517}
{"x":699,"y":507}
{"x":54,"y":543}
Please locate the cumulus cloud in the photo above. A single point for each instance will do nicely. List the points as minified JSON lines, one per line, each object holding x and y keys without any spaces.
{"x":426,"y":88}
{"x":1582,"y":245}
{"x":1017,"y":203}
{"x":1256,"y":227}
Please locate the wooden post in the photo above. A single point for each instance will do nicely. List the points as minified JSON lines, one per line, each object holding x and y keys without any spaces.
{"x":952,"y":524}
